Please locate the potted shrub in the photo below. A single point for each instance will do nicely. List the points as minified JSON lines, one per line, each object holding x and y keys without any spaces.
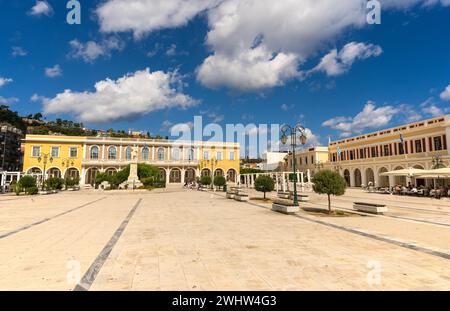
{"x":220,"y":181}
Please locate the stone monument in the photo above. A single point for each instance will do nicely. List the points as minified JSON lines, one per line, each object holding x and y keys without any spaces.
{"x":133,"y":181}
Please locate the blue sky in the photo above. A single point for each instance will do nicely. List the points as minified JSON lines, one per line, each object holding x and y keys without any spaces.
{"x":230,"y":60}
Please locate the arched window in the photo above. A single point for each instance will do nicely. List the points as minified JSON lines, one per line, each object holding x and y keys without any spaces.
{"x":94,"y":152}
{"x":128,"y":153}
{"x":145,"y":154}
{"x":176,"y":154}
{"x":161,"y":154}
{"x":112,"y":153}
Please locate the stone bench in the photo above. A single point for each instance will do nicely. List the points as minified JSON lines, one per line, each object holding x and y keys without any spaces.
{"x":303,"y":198}
{"x":231,"y":195}
{"x":370,"y":208}
{"x":285,"y":207}
{"x":284,"y":195}
{"x":241,"y":197}
{"x":202,"y":188}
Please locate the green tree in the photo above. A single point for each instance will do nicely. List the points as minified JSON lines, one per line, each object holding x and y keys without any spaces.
{"x":27,"y":182}
{"x":148,"y":171}
{"x":329,"y":183}
{"x":264,"y":184}
{"x":220,"y":181}
{"x":205,"y":180}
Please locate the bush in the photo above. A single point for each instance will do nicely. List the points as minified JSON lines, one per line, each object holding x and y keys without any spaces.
{"x":32,"y":190}
{"x":27,"y":182}
{"x":71,"y":181}
{"x":153,"y":183}
{"x":16,"y":188}
{"x":54,"y":183}
{"x":205,"y":180}
{"x":147,"y":171}
{"x":101,"y":177}
{"x":329,"y":183}
{"x":220,"y":181}
{"x":264,"y":184}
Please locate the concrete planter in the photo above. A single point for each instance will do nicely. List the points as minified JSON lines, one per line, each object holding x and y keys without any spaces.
{"x":285,"y":209}
{"x":370,"y":208}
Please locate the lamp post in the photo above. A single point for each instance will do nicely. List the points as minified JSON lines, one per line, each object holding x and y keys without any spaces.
{"x":207,"y":163}
{"x":44,"y":158}
{"x":437,"y":162}
{"x":295,"y":132}
{"x":67,"y":163}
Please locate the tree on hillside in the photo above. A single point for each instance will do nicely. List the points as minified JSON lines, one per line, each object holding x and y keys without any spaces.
{"x":329,"y":183}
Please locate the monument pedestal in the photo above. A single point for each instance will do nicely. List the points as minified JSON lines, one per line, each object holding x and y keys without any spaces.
{"x":133,"y":181}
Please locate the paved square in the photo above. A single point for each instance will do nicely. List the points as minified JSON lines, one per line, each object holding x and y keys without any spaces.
{"x":189,"y":240}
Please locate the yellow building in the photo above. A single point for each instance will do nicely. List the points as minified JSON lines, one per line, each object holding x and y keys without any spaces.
{"x":311,"y":159}
{"x":179,"y":162}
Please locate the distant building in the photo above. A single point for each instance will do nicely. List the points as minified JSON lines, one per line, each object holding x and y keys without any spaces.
{"x":272,"y":161}
{"x":312,"y":159}
{"x":10,"y":155}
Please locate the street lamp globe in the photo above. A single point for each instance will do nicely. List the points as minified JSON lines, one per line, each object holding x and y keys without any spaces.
{"x":303,"y":139}
{"x":284,"y":139}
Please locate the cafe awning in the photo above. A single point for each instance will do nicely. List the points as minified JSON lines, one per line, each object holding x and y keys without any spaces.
{"x":410,"y":172}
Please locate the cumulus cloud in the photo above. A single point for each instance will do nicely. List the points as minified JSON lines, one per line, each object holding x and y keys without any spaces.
{"x":92,"y":50}
{"x":251,"y":70}
{"x":255,"y":44}
{"x":445,"y":95}
{"x":429,"y":107}
{"x":4,"y":81}
{"x":132,"y":95}
{"x":336,"y":63}
{"x":8,"y":101}
{"x":371,"y":117}
{"x":143,"y":16}
{"x":41,"y":8}
{"x":53,"y":72}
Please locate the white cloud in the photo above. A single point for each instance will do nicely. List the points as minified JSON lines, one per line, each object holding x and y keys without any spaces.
{"x":38,"y":98}
{"x":4,"y":81}
{"x":431,"y":108}
{"x":312,"y":140}
{"x":165,"y":126}
{"x":92,"y":50}
{"x":255,"y":44}
{"x":181,"y":128}
{"x":144,"y":16}
{"x":18,"y":51}
{"x":128,"y":97}
{"x":252,"y":70}
{"x":41,"y":8}
{"x":336,"y":63}
{"x":8,"y":101}
{"x":445,"y":95}
{"x":285,"y":107}
{"x":214,"y":116}
{"x":371,"y":117}
{"x":53,"y":72}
